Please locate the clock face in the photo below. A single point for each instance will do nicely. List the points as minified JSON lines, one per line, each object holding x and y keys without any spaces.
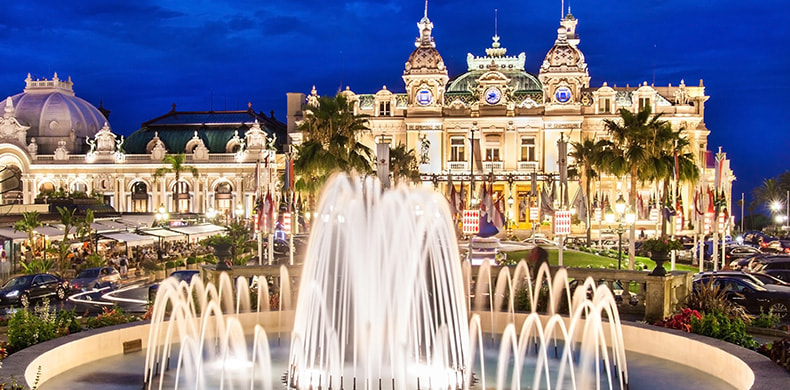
{"x":493,"y":95}
{"x":424,"y":97}
{"x":562,"y":94}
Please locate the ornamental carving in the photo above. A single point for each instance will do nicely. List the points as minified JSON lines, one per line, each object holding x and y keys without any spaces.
{"x":10,"y":128}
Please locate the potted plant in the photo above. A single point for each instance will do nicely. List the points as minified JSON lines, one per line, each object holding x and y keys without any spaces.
{"x":159,"y":272}
{"x":170,"y":266}
{"x":659,"y":252}
{"x":192,"y":262}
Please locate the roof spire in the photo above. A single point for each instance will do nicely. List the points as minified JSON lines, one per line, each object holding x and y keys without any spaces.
{"x":496,"y":14}
{"x":426,"y":10}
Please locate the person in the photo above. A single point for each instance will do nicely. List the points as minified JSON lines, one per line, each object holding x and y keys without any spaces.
{"x":124,"y":265}
{"x":642,"y":234}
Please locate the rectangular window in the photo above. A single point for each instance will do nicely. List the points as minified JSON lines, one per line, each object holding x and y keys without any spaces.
{"x":492,"y":154}
{"x":384,"y":108}
{"x":605,"y":105}
{"x":643,"y":102}
{"x":528,"y":149}
{"x":457,"y":152}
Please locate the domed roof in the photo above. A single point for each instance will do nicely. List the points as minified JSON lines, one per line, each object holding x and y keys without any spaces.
{"x":563,"y":55}
{"x":520,"y":80}
{"x":52,"y":111}
{"x":425,"y":58}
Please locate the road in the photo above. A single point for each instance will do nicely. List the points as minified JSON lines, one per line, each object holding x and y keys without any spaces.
{"x":132,"y":298}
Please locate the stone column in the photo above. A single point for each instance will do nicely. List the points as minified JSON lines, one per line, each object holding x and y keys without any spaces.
{"x":664,"y":294}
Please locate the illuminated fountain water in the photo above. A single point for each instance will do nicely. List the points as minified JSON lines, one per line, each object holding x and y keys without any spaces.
{"x":383,"y":303}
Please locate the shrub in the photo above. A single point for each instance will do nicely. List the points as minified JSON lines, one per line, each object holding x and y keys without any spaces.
{"x":778,"y":352}
{"x":210,"y":259}
{"x":766,"y":320}
{"x":709,"y":298}
{"x":680,"y":321}
{"x":110,"y":316}
{"x":192,"y":260}
{"x":718,"y":325}
{"x":94,"y":260}
{"x":170,"y":264}
{"x":26,"y":328}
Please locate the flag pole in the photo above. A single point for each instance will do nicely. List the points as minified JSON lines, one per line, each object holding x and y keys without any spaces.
{"x":257,"y":200}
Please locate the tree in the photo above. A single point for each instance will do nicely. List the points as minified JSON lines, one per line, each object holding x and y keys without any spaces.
{"x":627,"y":151}
{"x":28,"y":224}
{"x":331,"y":132}
{"x":404,"y":165}
{"x":237,"y":237}
{"x":68,"y":219}
{"x":177,"y":166}
{"x":588,"y":154}
{"x":769,"y":191}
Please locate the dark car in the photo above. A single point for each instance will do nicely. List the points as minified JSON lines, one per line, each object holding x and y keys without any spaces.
{"x":770,"y":283}
{"x":754,"y":299}
{"x":770,"y":279}
{"x":183,"y":275}
{"x":23,"y":289}
{"x":777,"y":246}
{"x":733,"y":253}
{"x":96,"y":278}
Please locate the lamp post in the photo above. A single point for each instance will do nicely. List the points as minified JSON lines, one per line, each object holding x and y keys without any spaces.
{"x":472,"y":199}
{"x":161,"y":219}
{"x":775,"y":207}
{"x":620,"y":215}
{"x":239,"y":212}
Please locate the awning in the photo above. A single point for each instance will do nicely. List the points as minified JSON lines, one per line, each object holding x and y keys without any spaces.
{"x":54,"y":233}
{"x":112,"y":225}
{"x":198,"y":231}
{"x":10,"y":234}
{"x":165,"y":234}
{"x":137,"y":221}
{"x":131,"y":239}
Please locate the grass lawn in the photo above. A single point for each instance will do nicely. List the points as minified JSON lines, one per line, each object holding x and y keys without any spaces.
{"x":576,"y":259}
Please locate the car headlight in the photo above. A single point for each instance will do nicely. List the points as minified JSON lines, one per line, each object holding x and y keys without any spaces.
{"x":12,"y":294}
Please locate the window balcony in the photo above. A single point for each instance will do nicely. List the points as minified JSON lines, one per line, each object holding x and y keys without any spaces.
{"x":528,"y":166}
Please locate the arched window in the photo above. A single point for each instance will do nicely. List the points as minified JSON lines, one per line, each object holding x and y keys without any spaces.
{"x":223,"y":197}
{"x":182,"y":188}
{"x":139,"y":197}
{"x":11,"y":184}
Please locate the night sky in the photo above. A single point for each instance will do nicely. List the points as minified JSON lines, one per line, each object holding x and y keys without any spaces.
{"x":140,"y":57}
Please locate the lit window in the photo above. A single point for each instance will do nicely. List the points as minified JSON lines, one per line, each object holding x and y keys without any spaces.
{"x":384,"y":108}
{"x":644,"y":102}
{"x":528,"y":149}
{"x":457,"y":150}
{"x":604,"y":105}
{"x":492,"y":154}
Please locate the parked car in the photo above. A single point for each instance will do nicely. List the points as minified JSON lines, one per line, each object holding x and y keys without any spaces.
{"x":754,"y":278}
{"x":753,"y":298}
{"x":96,"y":278}
{"x":733,"y":253}
{"x":183,"y":275}
{"x":770,"y":279}
{"x":23,"y":289}
{"x":777,"y":246}
{"x":769,"y":261}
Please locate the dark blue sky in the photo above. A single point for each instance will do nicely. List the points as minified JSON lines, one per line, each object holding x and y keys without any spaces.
{"x":140,"y":57}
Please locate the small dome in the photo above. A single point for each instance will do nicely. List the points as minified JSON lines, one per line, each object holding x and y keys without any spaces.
{"x":52,"y":111}
{"x":563,"y":56}
{"x":425,"y":58}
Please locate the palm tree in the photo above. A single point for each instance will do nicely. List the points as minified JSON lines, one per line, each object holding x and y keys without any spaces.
{"x":331,"y":144}
{"x":404,"y":164}
{"x":663,"y":143}
{"x":176,"y":166}
{"x":28,"y":224}
{"x":588,"y":154}
{"x":628,"y":150}
{"x":766,"y":193}
{"x":68,"y":219}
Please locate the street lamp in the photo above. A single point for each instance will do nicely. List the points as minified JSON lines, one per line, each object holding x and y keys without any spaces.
{"x":239,"y":212}
{"x":161,"y":219}
{"x":620,"y":215}
{"x":161,"y":215}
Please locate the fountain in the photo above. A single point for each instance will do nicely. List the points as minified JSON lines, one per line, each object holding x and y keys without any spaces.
{"x":383,"y":303}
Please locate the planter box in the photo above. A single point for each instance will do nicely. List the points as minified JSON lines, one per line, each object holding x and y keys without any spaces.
{"x":159,"y":274}
{"x":192,"y":266}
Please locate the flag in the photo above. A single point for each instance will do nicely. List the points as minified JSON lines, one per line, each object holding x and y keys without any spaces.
{"x":718,"y":169}
{"x":289,"y":175}
{"x":477,"y":159}
{"x":676,"y":168}
{"x":499,"y":220}
{"x":546,"y":204}
{"x":455,"y":197}
{"x":580,"y":204}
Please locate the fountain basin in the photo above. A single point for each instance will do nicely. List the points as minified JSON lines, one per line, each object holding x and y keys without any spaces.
{"x":739,"y":367}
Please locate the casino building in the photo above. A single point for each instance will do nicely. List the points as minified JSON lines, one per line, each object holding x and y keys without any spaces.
{"x":55,"y":142}
{"x":513,"y":119}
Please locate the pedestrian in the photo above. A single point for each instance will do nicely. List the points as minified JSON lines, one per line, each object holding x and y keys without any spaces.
{"x":124,"y":266}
